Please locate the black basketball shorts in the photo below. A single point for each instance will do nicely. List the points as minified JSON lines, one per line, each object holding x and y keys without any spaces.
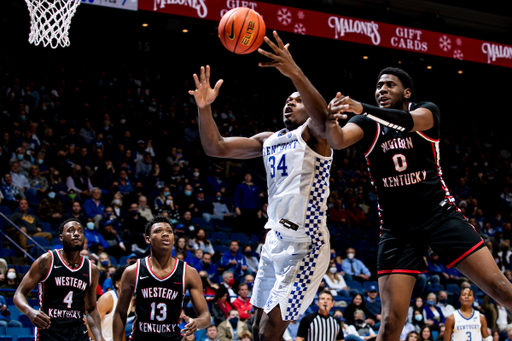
{"x":70,"y":332}
{"x":447,"y":233}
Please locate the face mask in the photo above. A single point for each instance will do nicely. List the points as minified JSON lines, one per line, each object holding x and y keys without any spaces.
{"x":418,"y":317}
{"x":250,"y":285}
{"x":196,"y":174}
{"x":248,"y":253}
{"x":219,"y":198}
{"x":11,"y":276}
{"x":431,"y":303}
{"x":134,"y":212}
{"x":19,"y":157}
{"x":117,"y":202}
{"x":333,"y":270}
{"x":109,"y":214}
{"x":168,"y":202}
{"x":359,"y":322}
{"x":78,"y":173}
{"x":231,"y":282}
{"x":188,"y":193}
{"x":350,"y":256}
{"x":40,"y":161}
{"x":233,"y":321}
{"x":71,"y":196}
{"x":23,"y":117}
{"x":166,"y":194}
{"x":443,"y":301}
{"x":104,"y":262}
{"x":90,"y":225}
{"x":51,"y":195}
{"x":123,"y":121}
{"x":115,"y":189}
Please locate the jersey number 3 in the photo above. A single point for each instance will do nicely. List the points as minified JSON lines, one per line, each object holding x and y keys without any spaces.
{"x":281,"y":166}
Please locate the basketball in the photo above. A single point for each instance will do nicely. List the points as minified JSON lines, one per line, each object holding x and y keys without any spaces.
{"x":241,"y":30}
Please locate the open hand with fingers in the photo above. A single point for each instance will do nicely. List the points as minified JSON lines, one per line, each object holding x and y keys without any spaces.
{"x":343,"y":104}
{"x":190,"y":327}
{"x":282,"y":59}
{"x":204,"y":94}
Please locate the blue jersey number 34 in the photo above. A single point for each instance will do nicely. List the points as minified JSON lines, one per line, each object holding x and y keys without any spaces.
{"x":281,"y":166}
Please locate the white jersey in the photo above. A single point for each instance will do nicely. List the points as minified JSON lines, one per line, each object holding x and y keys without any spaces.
{"x":107,"y":324}
{"x":467,"y":329}
{"x":298,"y":184}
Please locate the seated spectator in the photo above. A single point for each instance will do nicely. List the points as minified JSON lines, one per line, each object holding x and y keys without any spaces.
{"x":504,"y":255}
{"x":203,"y":208}
{"x":356,"y":214}
{"x":36,"y":181}
{"x":196,"y":181}
{"x":250,"y":259}
{"x":22,"y":160}
{"x":18,"y":179}
{"x":349,"y":332}
{"x":125,"y":185}
{"x":111,"y":236}
{"x":93,"y":207}
{"x":426,"y":334}
{"x":51,"y":208}
{"x":176,"y":158}
{"x":104,"y":263}
{"x":79,"y":182}
{"x":233,"y":261}
{"x":76,"y":212}
{"x":11,"y":282}
{"x":11,"y":194}
{"x":364,"y":330}
{"x":196,"y":258}
{"x":220,"y":209}
{"x":160,"y":200}
{"x":171,"y":210}
{"x":249,"y":280}
{"x":108,"y":284}
{"x":97,"y":243}
{"x":335,"y":282}
{"x":432,"y":314}
{"x":138,"y":191}
{"x":206,"y":265}
{"x":201,"y":242}
{"x":215,"y":183}
{"x":354,"y":269}
{"x":498,"y":318}
{"x":58,"y":185}
{"x":144,"y":209}
{"x":134,"y":225}
{"x":144,"y":167}
{"x":208,"y":288}
{"x":211,"y":333}
{"x":228,"y":281}
{"x":461,"y":191}
{"x":358,"y":303}
{"x":220,"y":306}
{"x":442,"y":303}
{"x":243,"y":303}
{"x":338,"y":214}
{"x":436,"y":270}
{"x":5,"y":315}
{"x":176,"y":179}
{"x":246,"y":336}
{"x":117,"y":205}
{"x":155,"y":179}
{"x":232,"y":327}
{"x":28,"y":223}
{"x":416,"y":305}
{"x":373,"y":304}
{"x":411,"y":336}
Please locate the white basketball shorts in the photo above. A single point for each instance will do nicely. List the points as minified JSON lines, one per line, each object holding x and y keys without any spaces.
{"x":289,"y":273}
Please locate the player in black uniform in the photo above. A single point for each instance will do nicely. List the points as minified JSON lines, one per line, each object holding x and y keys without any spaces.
{"x":400,"y":141}
{"x":159,"y":283}
{"x":67,"y":290}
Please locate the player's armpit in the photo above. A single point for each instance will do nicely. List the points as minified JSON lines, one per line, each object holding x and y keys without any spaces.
{"x":423,"y":119}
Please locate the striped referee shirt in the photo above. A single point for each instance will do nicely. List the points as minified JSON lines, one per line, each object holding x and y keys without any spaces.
{"x":315,"y":327}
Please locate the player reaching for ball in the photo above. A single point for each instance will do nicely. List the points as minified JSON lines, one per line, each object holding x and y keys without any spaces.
{"x":297,"y":160}
{"x":400,"y":141}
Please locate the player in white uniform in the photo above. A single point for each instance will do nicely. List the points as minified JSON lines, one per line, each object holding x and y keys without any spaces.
{"x":466,"y":324}
{"x":107,"y":304}
{"x":297,"y":160}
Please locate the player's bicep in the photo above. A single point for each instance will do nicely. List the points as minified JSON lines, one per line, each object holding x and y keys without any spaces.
{"x":423,"y":119}
{"x":450,"y":320}
{"x":90,"y":294}
{"x":126,"y":292}
{"x":195,"y":289}
{"x":243,"y":147}
{"x":37,"y":272}
{"x":352,"y":134}
{"x":105,"y":303}
{"x":485,"y":331}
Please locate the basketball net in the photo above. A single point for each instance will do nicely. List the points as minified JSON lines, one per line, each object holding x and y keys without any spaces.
{"x":50,"y":20}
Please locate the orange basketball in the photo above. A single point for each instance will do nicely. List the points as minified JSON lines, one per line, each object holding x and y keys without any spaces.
{"x":241,"y":30}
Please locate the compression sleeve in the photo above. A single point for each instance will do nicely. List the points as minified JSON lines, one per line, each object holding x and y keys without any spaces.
{"x":393,"y":118}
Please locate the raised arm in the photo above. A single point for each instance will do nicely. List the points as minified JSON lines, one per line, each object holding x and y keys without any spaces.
{"x":195,"y":289}
{"x":123,"y":302}
{"x":93,"y":317}
{"x":213,"y":143}
{"x":38,"y":272}
{"x":314,"y":102}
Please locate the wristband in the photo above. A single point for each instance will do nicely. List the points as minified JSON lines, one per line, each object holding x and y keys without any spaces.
{"x":395,"y":119}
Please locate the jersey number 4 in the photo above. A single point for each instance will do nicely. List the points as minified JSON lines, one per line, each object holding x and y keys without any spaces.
{"x":281,"y":166}
{"x":69,"y":299}
{"x":162,"y":311}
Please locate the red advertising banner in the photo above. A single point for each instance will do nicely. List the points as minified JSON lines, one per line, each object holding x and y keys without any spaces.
{"x":338,"y":27}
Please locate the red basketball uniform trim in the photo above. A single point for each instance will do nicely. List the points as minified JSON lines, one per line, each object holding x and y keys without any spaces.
{"x":467,"y":253}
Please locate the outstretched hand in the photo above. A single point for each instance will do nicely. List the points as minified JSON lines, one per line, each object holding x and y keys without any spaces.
{"x":340,"y":105}
{"x":282,"y":59}
{"x":204,"y":94}
{"x":190,"y":327}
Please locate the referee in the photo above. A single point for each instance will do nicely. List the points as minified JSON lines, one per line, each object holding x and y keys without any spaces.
{"x":320,"y":326}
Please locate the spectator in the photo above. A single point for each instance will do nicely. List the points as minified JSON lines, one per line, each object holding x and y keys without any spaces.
{"x":97,"y":243}
{"x":231,"y":328}
{"x":156,"y":178}
{"x":208,"y":288}
{"x":188,"y":225}
{"x":104,"y":263}
{"x":171,"y":209}
{"x":79,"y":182}
{"x":110,"y":234}
{"x":94,"y":208}
{"x":321,"y":326}
{"x":206,"y":265}
{"x":436,"y":270}
{"x":250,"y":259}
{"x":195,"y":181}
{"x":186,"y":200}
{"x":416,"y":305}
{"x":58,"y":185}
{"x":349,"y":332}
{"x":76,"y":212}
{"x":461,"y":191}
{"x":247,"y":336}
{"x":433,"y":316}
{"x":426,"y":334}
{"x":247,"y":204}
{"x":5,"y":315}
{"x":220,"y":209}
{"x":220,"y":306}
{"x":196,"y":258}
{"x":211,"y":333}
{"x":203,"y":207}
{"x":373,"y":304}
{"x":358,"y":303}
{"x":233,"y":261}
{"x":134,"y":225}
{"x":498,"y":318}
{"x":176,"y":179}
{"x":23,"y":163}
{"x":354,"y":269}
{"x":242,"y":303}
{"x":18,"y":179}
{"x":215,"y":183}
{"x":28,"y":223}
{"x":11,"y":283}
{"x":51,"y":207}
{"x":144,"y":209}
{"x":201,"y":242}
{"x":144,"y":166}
{"x":87,"y":133}
{"x":176,"y":158}
{"x":412,"y":336}
{"x":442,"y":303}
{"x":37,"y":182}
{"x":364,"y":330}
{"x":160,"y":200}
{"x":138,"y":191}
{"x":182,"y":246}
{"x":228,"y":281}
{"x":125,"y":185}
{"x":356,"y":214}
{"x":338,"y":214}
{"x":335,"y":282}
{"x":11,"y":194}
{"x":117,"y":205}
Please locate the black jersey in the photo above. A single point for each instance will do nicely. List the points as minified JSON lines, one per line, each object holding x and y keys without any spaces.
{"x":405,"y":169}
{"x":158,"y":302}
{"x":62,"y":292}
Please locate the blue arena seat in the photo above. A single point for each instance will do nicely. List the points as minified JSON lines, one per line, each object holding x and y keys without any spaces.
{"x":25,"y":320}
{"x":113,"y":261}
{"x":453,"y":288}
{"x":47,"y":227}
{"x":355,"y":285}
{"x":218,"y":223}
{"x":221,"y":249}
{"x":6,"y":211}
{"x":6,"y":338}
{"x":25,"y":338}
{"x":56,"y":241}
{"x":122,"y":260}
{"x":242,"y":238}
{"x":7,"y":253}
{"x":220,"y":236}
{"x":19,"y":332}
{"x":199,"y":222}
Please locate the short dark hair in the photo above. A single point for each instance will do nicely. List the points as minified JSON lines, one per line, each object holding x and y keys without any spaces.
{"x":118,"y":274}
{"x":326,"y":292}
{"x":61,"y":226}
{"x":157,"y":219}
{"x":401,"y":74}
{"x":211,"y":326}
{"x":242,"y":285}
{"x":470,"y":289}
